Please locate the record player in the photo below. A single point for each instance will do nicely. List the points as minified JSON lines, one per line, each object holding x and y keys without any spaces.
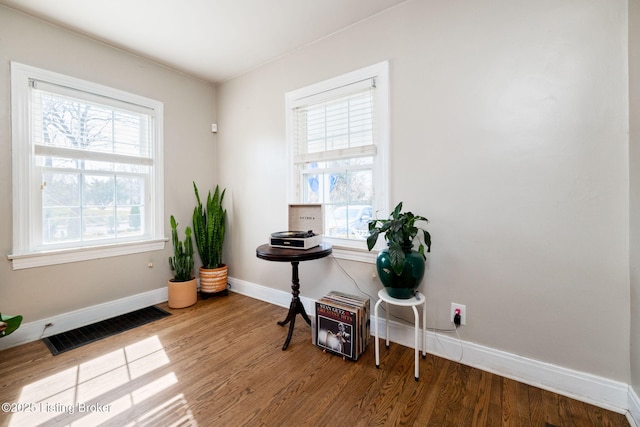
{"x":295,"y":239}
{"x":301,"y":217}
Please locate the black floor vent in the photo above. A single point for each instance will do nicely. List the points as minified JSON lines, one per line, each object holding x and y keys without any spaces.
{"x":87,"y":334}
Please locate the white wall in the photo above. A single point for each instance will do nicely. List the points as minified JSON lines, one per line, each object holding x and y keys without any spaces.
{"x":190,"y":154}
{"x":509,"y":132}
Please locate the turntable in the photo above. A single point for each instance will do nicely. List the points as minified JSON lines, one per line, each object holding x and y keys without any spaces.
{"x":295,"y":239}
{"x":301,"y":217}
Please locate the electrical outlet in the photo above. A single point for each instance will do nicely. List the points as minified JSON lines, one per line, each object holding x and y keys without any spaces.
{"x":463,"y":312}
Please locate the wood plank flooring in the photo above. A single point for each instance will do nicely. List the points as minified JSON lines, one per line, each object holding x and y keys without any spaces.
{"x":220,"y":363}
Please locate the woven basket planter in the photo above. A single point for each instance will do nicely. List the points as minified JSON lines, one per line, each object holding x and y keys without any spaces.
{"x":213,"y":280}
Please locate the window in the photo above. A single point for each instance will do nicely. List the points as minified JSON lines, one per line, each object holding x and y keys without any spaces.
{"x":337,"y":132}
{"x":87,"y":170}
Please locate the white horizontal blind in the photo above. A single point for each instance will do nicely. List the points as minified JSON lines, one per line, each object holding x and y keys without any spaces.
{"x":338,"y":128}
{"x":78,"y":124}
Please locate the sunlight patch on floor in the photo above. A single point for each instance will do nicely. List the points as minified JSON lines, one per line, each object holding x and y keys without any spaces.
{"x":99,"y":390}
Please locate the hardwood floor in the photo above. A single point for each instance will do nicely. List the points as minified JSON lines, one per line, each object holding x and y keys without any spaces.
{"x":220,"y":363}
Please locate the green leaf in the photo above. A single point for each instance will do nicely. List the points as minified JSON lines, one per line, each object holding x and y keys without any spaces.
{"x":396,"y":211}
{"x":182,"y":260}
{"x":399,"y":230}
{"x":396,"y":254}
{"x":372,"y":239}
{"x":427,"y":239}
{"x":209,"y":227}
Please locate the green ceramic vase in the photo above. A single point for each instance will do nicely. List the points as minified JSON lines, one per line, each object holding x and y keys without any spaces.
{"x":404,"y":285}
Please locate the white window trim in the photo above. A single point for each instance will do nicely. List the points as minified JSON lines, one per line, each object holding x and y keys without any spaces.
{"x":41,"y":259}
{"x":344,"y":248}
{"x":24,"y":258}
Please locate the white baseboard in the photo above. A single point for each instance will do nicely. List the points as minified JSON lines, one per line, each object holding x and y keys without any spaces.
{"x":593,"y":389}
{"x":34,"y":331}
{"x":263,"y":293}
{"x":633,"y":416}
{"x":600,"y":391}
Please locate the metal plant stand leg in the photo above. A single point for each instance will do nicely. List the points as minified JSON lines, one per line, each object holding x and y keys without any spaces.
{"x":377,"y":335}
{"x":419,"y":299}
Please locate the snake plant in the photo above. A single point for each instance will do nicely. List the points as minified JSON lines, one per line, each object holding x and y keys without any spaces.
{"x":209,"y":227}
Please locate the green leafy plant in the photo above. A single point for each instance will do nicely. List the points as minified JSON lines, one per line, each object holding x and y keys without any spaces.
{"x":8,"y":324}
{"x":182,"y":260}
{"x":209,"y":227}
{"x":400,"y":232}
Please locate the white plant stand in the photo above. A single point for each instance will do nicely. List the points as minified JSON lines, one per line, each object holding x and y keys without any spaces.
{"x":418,"y":299}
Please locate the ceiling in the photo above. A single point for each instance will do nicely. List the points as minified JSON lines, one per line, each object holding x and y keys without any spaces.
{"x":211,"y":39}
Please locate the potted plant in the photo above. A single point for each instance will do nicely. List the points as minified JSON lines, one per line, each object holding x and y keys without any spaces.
{"x":8,"y":324}
{"x":183,"y":288}
{"x":400,"y":267}
{"x":209,"y":230}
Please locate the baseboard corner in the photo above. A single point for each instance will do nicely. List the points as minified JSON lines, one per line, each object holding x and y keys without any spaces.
{"x":633,"y":413}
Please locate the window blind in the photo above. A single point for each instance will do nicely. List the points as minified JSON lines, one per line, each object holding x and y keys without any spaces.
{"x":337,"y":128}
{"x":74,"y":124}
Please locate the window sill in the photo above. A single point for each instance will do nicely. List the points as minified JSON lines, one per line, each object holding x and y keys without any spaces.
{"x":41,"y":259}
{"x":342,"y":250}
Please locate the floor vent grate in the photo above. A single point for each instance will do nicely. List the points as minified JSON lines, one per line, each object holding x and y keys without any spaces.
{"x":75,"y":338}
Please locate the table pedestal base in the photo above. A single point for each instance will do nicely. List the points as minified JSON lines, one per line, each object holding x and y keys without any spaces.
{"x":296,"y":306}
{"x":294,"y":256}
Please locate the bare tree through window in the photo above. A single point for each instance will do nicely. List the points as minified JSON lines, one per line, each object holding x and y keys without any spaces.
{"x":90,"y":191}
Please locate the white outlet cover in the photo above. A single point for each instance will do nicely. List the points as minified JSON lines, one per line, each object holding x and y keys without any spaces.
{"x":463,"y":312}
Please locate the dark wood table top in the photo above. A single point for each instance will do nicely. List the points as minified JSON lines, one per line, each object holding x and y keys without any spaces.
{"x":288,"y":255}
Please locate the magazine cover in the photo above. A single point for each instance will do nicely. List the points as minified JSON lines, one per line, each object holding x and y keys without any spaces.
{"x":336,"y":327}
